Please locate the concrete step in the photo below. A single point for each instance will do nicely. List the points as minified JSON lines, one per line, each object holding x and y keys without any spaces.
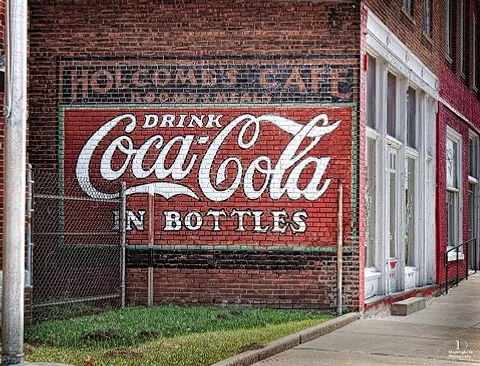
{"x":408,"y":306}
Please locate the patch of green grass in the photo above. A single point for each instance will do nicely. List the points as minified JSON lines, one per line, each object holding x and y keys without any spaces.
{"x":196,"y":349}
{"x":134,"y":326}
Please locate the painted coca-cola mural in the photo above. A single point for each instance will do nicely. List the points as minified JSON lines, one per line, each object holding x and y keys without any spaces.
{"x":205,"y":170}
{"x":255,"y":174}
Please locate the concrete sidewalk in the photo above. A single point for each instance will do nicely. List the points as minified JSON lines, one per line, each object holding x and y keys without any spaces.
{"x":445,"y":333}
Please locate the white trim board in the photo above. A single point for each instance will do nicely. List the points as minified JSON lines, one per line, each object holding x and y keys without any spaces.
{"x":386,"y":44}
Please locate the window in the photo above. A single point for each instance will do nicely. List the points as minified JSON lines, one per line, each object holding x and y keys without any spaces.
{"x":472,"y":195}
{"x":411,"y":117}
{"x":371,"y":91}
{"x":462,"y":37}
{"x":408,"y":7}
{"x":453,"y":159}
{"x":410,"y":213}
{"x":472,"y":222}
{"x":391,"y":104}
{"x":370,"y":203}
{"x":473,"y":157}
{"x":392,"y":202}
{"x":399,"y":162}
{"x":427,"y":17}
{"x":474,"y":51}
{"x":448,"y":47}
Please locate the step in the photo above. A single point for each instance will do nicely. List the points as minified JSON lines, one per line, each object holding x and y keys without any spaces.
{"x":408,"y":306}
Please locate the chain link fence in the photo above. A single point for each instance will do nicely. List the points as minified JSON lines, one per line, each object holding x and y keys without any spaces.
{"x":78,"y":247}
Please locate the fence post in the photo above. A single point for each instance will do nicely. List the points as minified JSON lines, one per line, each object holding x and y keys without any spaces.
{"x":445,"y":259}
{"x":476,"y":258}
{"x":465,"y":257}
{"x":122,"y":227}
{"x":457,"y":268}
{"x":339,"y":249}
{"x":151,"y":240}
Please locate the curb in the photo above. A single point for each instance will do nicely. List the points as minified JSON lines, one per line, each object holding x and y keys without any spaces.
{"x":285,"y":343}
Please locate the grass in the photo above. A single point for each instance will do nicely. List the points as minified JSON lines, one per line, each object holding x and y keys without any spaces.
{"x":164,"y":335}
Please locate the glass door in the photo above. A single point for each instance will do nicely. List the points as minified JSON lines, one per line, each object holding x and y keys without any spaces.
{"x":392,"y":222}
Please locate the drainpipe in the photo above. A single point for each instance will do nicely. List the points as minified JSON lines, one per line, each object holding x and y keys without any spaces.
{"x":123,"y":234}
{"x":15,"y":181}
{"x":151,"y":239}
{"x":339,"y":248}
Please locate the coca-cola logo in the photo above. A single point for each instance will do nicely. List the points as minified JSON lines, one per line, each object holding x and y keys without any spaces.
{"x":295,"y":173}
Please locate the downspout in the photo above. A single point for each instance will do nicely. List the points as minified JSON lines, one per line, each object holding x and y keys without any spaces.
{"x":122,"y":226}
{"x":151,"y":239}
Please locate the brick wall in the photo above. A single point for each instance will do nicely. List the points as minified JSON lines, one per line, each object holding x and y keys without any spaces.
{"x":465,"y":73}
{"x":458,"y":95}
{"x":284,"y":280}
{"x":284,"y":63}
{"x":451,"y":120}
{"x":409,"y":28}
{"x":457,"y":88}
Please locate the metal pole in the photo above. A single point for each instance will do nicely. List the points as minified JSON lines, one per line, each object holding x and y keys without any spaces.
{"x":445,"y":259}
{"x":457,"y":267}
{"x":339,"y":248}
{"x":15,"y":181}
{"x":122,"y":225}
{"x":476,"y":256}
{"x":151,"y":239}
{"x":465,"y":257}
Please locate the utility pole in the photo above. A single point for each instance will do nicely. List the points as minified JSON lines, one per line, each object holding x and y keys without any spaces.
{"x":15,"y":115}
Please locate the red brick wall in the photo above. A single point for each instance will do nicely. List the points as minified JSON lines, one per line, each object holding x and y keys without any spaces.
{"x":470,"y":9}
{"x":457,"y":89}
{"x":295,"y":281}
{"x":409,"y":29}
{"x":447,"y":118}
{"x":458,"y":95}
{"x":75,"y":41}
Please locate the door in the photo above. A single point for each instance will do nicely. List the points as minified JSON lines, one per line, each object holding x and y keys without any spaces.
{"x":392,"y":219}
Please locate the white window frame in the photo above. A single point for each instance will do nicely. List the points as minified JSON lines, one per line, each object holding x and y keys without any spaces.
{"x":417,"y":117}
{"x":375,"y":136}
{"x":393,"y":138}
{"x":393,"y":56}
{"x":473,"y":180}
{"x":455,"y":137}
{"x":376,"y":92}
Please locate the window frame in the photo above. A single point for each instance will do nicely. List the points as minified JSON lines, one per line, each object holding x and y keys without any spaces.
{"x":455,"y":192}
{"x":371,"y":258}
{"x":372,"y":123}
{"x":408,"y":7}
{"x":462,"y":37}
{"x":394,"y":137}
{"x":473,"y":141}
{"x":427,"y":18}
{"x":448,"y":29}
{"x":473,"y":182}
{"x":474,"y":51}
{"x":416,"y":116}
